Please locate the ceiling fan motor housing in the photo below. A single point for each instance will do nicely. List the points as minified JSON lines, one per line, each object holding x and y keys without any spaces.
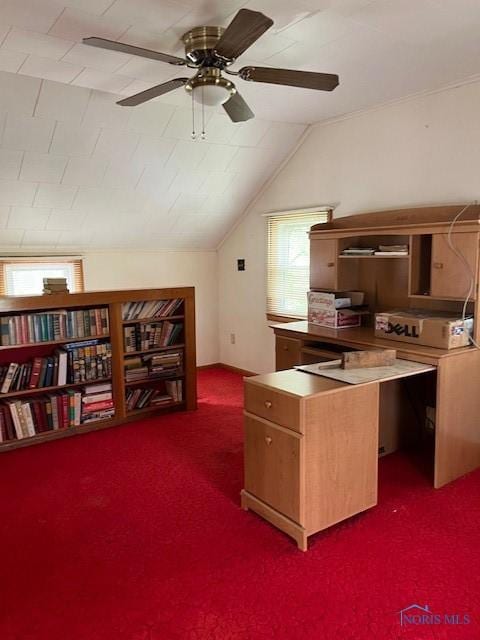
{"x":200,"y":44}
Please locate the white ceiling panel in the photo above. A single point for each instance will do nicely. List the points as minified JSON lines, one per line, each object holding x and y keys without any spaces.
{"x":85,"y":171}
{"x":27,"y":134}
{"x":99,"y":59}
{"x":49,"y":69}
{"x":101,"y":80}
{"x":62,"y":102}
{"x":11,"y":60}
{"x":71,"y":158}
{"x":10,"y":163}
{"x":13,"y":192}
{"x":147,"y":13}
{"x":77,"y":24}
{"x":28,"y":218}
{"x":55,"y":195}
{"x":43,"y":167}
{"x":47,"y":239}
{"x":36,"y":43}
{"x":74,"y":140}
{"x":12,"y":237}
{"x":30,"y":14}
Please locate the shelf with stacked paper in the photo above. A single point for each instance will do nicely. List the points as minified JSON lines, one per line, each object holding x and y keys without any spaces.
{"x":81,"y":362}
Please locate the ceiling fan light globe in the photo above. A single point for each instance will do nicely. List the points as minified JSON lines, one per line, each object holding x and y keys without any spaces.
{"x":211,"y":95}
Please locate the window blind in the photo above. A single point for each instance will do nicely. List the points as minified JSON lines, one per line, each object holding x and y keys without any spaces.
{"x":21,"y":276}
{"x":288,"y":261}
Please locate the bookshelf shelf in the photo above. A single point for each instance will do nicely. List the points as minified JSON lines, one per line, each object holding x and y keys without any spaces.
{"x":175,"y":376}
{"x":182,"y":298}
{"x":374,"y":257}
{"x":144,"y":410}
{"x":29,"y":392}
{"x":156,"y":350}
{"x":153,"y":320}
{"x":51,"y":342}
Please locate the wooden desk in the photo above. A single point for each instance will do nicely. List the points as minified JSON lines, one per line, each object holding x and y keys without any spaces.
{"x":456,"y":393}
{"x":311,"y":448}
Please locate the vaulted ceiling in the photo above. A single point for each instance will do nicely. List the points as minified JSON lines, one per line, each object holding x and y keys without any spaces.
{"x":78,"y":171}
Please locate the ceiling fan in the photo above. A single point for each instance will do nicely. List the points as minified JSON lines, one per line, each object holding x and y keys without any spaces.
{"x":212,"y":50}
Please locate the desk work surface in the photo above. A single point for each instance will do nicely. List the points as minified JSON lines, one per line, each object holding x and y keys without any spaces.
{"x":363,"y":337}
{"x":333,"y":370}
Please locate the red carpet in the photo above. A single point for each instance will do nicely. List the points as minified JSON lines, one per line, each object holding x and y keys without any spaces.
{"x":135,"y":533}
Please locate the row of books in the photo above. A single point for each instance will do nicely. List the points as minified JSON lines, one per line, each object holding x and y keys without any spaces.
{"x":151,"y":309}
{"x":48,"y":326}
{"x":141,"y":398}
{"x":141,"y":337}
{"x":28,"y":417}
{"x":97,"y":402}
{"x":156,"y":365}
{"x":75,"y":363}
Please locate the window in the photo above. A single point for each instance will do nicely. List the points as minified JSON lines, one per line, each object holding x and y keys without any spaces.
{"x":23,"y":277}
{"x":288,"y":261}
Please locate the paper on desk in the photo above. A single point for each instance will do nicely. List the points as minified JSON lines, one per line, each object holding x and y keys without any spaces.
{"x":332,"y":369}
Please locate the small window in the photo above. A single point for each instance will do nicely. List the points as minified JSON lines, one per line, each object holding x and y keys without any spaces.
{"x":25,"y":277}
{"x":288,"y":262}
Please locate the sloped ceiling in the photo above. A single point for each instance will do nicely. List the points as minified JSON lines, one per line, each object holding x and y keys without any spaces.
{"x":77,"y":171}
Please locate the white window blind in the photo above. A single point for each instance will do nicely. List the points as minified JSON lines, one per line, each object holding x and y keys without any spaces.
{"x":25,"y":277}
{"x":288,"y":262}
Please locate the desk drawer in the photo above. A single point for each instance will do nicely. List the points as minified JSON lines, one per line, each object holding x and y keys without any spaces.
{"x":272,"y":466}
{"x":273,"y":405}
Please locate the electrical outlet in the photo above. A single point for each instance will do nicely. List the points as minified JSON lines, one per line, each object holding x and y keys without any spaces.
{"x":232,"y":338}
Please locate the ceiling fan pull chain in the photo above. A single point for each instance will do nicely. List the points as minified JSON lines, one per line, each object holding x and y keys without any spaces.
{"x":193,"y":119}
{"x":203,"y":117}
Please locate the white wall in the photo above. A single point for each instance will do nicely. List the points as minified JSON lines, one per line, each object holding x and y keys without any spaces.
{"x":422,"y":151}
{"x":144,"y":269}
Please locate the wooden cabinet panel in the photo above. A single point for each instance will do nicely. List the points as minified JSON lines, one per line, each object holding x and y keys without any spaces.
{"x":323,"y":261}
{"x":457,"y":433}
{"x":341,"y":455}
{"x":272,"y":466}
{"x":273,"y":405}
{"x":449,"y":276}
{"x":287,"y":353}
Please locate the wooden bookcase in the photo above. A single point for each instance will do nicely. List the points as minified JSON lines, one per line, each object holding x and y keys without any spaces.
{"x":112,"y":301}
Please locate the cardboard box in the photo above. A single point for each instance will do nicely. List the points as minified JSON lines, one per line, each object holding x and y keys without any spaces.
{"x":420,"y":327}
{"x":323,"y":309}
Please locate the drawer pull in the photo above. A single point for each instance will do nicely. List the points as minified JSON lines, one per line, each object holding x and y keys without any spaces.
{"x":438,"y":265}
{"x":285,"y":348}
{"x":330,"y":264}
{"x":268,"y":404}
{"x":268,"y":440}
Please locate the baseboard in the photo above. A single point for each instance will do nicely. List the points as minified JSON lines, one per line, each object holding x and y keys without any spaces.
{"x":228,"y":367}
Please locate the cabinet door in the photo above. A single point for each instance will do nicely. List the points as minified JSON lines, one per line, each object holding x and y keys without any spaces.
{"x":450,"y":277}
{"x":323,"y":261}
{"x":287,"y":353}
{"x":272,"y":466}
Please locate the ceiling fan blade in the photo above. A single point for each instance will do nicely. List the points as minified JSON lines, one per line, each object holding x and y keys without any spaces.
{"x":237,"y":109}
{"x":305,"y":79}
{"x":153,"y":92}
{"x":246,"y":27}
{"x":134,"y":51}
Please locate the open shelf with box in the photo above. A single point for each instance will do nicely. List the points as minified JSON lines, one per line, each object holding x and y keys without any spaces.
{"x":76,"y":381}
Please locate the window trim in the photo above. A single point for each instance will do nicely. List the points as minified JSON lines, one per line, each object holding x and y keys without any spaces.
{"x":271,"y":316}
{"x":77,"y":262}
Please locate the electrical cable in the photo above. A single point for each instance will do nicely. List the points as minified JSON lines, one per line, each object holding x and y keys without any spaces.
{"x":467,"y":265}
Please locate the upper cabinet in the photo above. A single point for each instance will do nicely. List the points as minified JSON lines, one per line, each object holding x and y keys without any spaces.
{"x":323,"y":264}
{"x":452,"y":271}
